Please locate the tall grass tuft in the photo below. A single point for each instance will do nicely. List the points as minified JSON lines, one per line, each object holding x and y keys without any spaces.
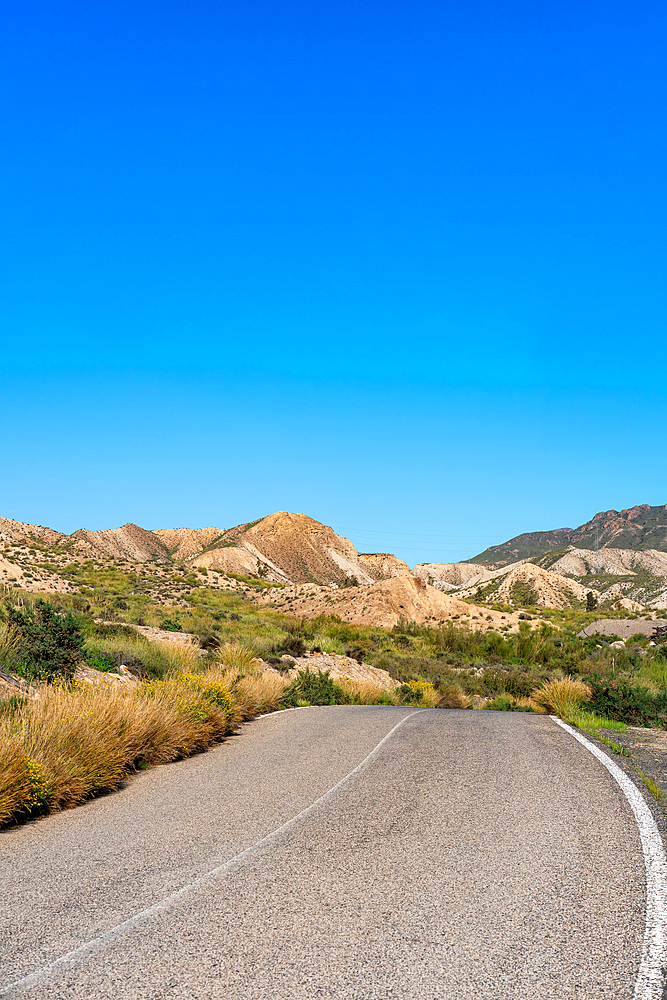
{"x":9,"y":644}
{"x":561,"y":697}
{"x":367,"y":692}
{"x":237,"y":655}
{"x":14,"y":779}
{"x":451,"y":695}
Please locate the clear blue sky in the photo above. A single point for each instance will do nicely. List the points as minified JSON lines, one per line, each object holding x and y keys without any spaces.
{"x":399,"y":266}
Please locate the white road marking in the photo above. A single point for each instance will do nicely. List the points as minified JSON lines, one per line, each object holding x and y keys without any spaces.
{"x":651,"y":976}
{"x":85,"y":949}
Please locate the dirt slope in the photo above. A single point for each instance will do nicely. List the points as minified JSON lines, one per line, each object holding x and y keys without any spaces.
{"x":619,"y":562}
{"x":528,"y":584}
{"x":383,"y":565}
{"x":339,"y":667}
{"x":26,"y":534}
{"x":183,"y":543}
{"x":242,"y":561}
{"x":452,"y":574}
{"x":385,"y":602}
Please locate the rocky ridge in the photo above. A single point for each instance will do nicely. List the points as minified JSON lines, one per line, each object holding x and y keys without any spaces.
{"x":316,"y":569}
{"x":637,"y":528}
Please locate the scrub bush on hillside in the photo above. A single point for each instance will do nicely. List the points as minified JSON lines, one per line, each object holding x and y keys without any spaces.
{"x":45,"y":646}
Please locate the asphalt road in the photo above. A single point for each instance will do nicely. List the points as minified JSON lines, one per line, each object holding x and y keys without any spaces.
{"x":474,"y":855}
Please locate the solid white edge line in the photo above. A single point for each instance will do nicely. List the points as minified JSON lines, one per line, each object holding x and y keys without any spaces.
{"x":650,"y":978}
{"x":34,"y":977}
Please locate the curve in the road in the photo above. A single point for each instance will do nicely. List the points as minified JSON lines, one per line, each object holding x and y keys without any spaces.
{"x":650,"y":983}
{"x":480,"y":855}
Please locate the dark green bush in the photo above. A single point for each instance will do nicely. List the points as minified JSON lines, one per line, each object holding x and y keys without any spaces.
{"x":171,"y":625}
{"x":409,"y":695}
{"x":626,"y":702}
{"x":292,"y":644}
{"x":49,"y":645}
{"x":355,"y":652}
{"x":315,"y":688}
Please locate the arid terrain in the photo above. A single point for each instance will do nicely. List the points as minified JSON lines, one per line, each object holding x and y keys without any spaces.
{"x":303,"y":566}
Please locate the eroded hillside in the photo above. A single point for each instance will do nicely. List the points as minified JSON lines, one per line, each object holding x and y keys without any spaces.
{"x":315,"y":568}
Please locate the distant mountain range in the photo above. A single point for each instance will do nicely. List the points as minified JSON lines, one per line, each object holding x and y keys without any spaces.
{"x":538,"y":569}
{"x":637,"y":528}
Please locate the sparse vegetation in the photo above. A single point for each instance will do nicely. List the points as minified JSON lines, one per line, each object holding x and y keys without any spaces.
{"x":655,"y":790}
{"x":190,"y":695}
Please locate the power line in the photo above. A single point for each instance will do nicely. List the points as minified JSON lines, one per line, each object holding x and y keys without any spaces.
{"x":410,"y":534}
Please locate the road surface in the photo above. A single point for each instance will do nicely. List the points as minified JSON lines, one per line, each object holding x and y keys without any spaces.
{"x":473,"y":855}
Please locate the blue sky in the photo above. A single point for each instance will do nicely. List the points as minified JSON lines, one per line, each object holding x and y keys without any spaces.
{"x":398,"y":266}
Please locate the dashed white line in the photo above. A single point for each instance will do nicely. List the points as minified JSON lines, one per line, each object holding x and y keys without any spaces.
{"x":95,"y":943}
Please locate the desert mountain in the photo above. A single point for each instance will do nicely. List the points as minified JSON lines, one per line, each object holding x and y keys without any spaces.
{"x":283,"y":547}
{"x":560,"y":579}
{"x":130,"y":543}
{"x":636,"y":528}
{"x":289,"y":547}
{"x":19,"y":533}
{"x":519,"y":584}
{"x":184,"y":543}
{"x":525,"y":584}
{"x":640,"y":576}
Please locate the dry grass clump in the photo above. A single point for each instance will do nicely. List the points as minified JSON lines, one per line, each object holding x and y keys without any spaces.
{"x":179,"y":655}
{"x":256,"y":693}
{"x":561,"y":696}
{"x":237,"y":655}
{"x":367,"y":692}
{"x":449,"y":695}
{"x":73,"y":743}
{"x":9,"y":642}
{"x":14,"y":778}
{"x":157,"y":658}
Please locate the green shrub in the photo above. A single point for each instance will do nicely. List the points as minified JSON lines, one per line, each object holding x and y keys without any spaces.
{"x":291,"y":644}
{"x":171,"y":625}
{"x":314,"y":689}
{"x":410,"y":695}
{"x":501,"y":703}
{"x":48,"y":646}
{"x":356,"y":652}
{"x":627,"y":702}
